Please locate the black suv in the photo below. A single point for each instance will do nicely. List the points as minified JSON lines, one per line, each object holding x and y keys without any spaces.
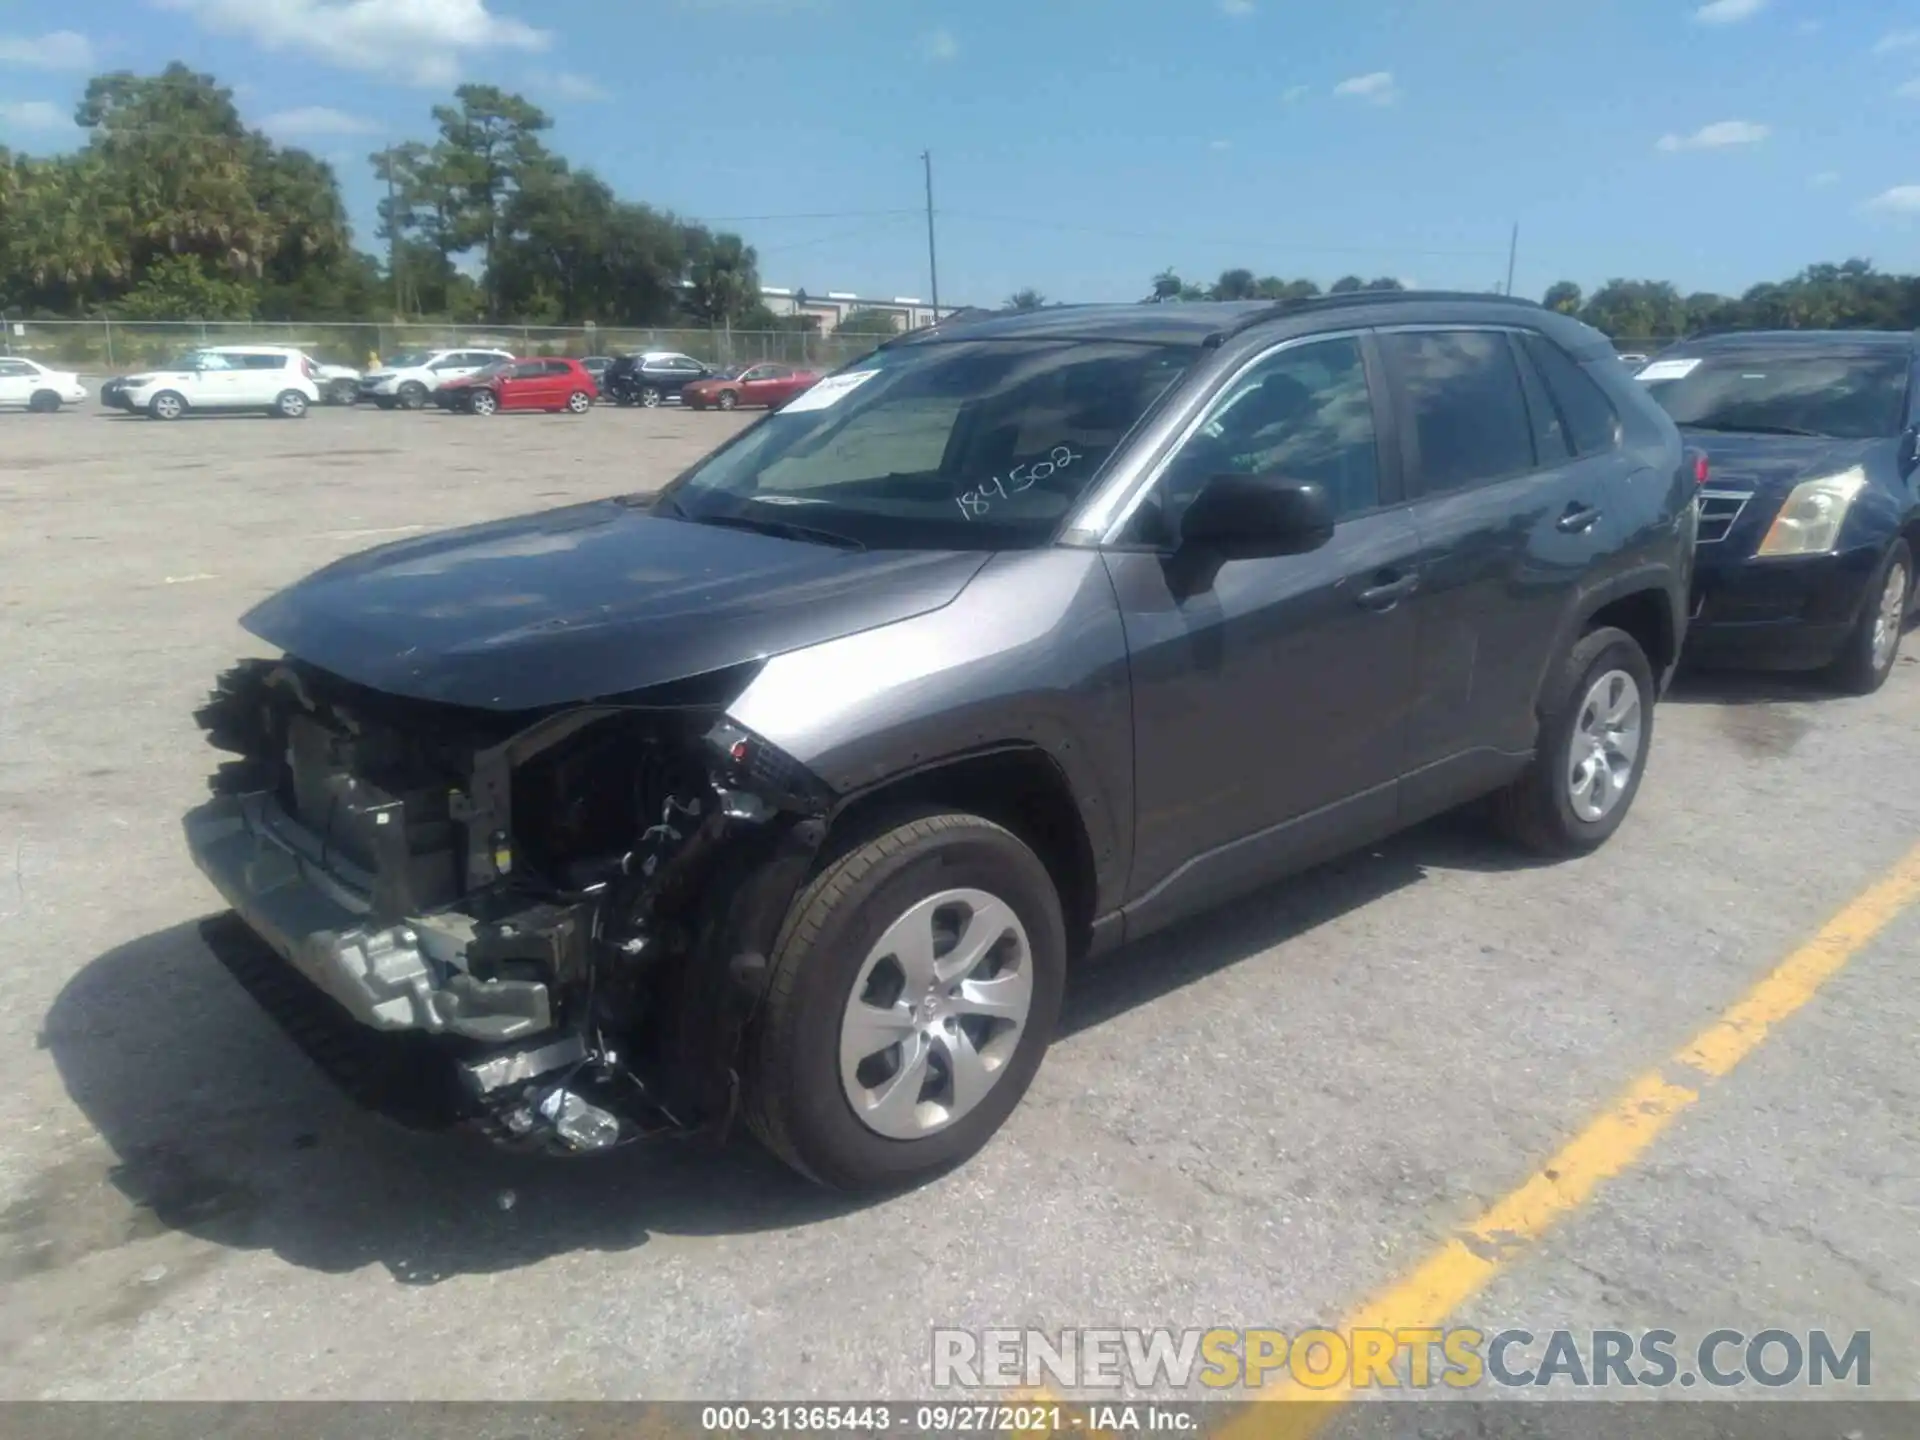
{"x":790,"y":793}
{"x":1809,"y":520}
{"x":651,"y":378}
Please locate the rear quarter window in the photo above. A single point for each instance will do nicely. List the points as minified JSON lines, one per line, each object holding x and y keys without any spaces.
{"x":1587,"y":417}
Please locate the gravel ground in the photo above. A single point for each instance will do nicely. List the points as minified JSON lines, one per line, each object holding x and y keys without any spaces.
{"x":1257,"y":1119}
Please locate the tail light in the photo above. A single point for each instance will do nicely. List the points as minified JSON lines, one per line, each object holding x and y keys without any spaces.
{"x":1699,"y":466}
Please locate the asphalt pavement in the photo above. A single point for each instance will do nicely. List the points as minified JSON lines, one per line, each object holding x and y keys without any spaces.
{"x":1260,"y":1119}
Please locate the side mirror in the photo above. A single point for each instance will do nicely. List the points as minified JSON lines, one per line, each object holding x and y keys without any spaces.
{"x":1252,"y":517}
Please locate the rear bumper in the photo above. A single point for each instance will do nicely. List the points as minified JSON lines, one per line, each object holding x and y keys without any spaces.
{"x":400,"y":976}
{"x":1787,"y":614}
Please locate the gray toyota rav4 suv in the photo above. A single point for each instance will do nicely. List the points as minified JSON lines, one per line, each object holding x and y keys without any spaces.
{"x":786,"y":796}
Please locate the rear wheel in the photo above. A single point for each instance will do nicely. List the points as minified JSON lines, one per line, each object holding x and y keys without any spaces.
{"x":579,"y":402}
{"x":44,"y":402}
{"x":167,"y":406}
{"x":290,"y":405}
{"x":483,"y":402}
{"x":412,"y":395}
{"x":1596,"y":726}
{"x":1873,"y":646}
{"x":916,"y":984}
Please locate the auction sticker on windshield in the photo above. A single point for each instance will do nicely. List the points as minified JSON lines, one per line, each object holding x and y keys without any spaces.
{"x":1669,"y":370}
{"x":829,"y":392}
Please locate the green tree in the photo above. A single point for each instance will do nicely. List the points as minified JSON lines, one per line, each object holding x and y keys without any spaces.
{"x":489,"y":150}
{"x":868,"y":322}
{"x":1167,"y":286}
{"x":1025,"y":300}
{"x":1564,"y":296}
{"x":185,"y":287}
{"x":1347,"y":285}
{"x":723,"y":276}
{"x":1235,"y":285}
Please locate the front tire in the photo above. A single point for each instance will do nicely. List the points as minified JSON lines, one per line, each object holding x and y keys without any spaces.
{"x":167,"y":405}
{"x":44,"y":402}
{"x":651,"y":397}
{"x":1873,"y":647}
{"x":915,"y":988}
{"x":728,"y":400}
{"x":482,"y":402}
{"x":290,"y":405}
{"x":1596,"y":730}
{"x":412,"y":395}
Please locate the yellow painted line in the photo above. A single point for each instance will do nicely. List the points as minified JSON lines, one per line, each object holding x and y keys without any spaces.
{"x":1612,"y":1142}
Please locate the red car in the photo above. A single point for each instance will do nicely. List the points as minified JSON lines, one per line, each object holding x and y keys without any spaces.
{"x":543,"y":384}
{"x":766,"y":385}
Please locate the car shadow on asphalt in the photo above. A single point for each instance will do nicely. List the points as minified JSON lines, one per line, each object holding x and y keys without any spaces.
{"x":216,"y":1125}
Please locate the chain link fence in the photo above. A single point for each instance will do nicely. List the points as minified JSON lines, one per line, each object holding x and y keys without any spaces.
{"x":107,"y":346}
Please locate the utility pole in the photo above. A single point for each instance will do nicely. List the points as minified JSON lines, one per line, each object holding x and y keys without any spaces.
{"x":933,"y":258}
{"x":1513,"y":254}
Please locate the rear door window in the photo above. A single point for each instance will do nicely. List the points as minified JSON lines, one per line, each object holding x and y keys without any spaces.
{"x":1466,"y":420}
{"x":1582,"y":408}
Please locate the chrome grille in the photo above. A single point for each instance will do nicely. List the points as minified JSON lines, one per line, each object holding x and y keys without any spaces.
{"x":1718,"y":510}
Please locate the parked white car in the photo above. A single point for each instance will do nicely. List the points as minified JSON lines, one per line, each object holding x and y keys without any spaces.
{"x":408,"y":380}
{"x":273,"y":378}
{"x":33,"y":385}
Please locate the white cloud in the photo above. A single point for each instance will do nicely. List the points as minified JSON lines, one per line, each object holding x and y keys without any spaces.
{"x":318,"y":120}
{"x":1728,"y":12}
{"x":33,"y":115}
{"x":1896,"y":40}
{"x":570,"y":85}
{"x":1238,"y":9}
{"x":1717,"y":136}
{"x":1901,"y":200}
{"x":939,"y":45}
{"x":1377,"y":88}
{"x":60,"y":50}
{"x":422,"y":41}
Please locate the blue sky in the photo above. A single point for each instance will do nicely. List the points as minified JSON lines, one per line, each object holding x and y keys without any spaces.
{"x":1081,"y":145}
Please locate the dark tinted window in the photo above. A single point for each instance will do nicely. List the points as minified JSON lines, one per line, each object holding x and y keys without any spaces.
{"x":556,"y":367}
{"x":1580,"y":406}
{"x":1857,"y":396}
{"x":1463,"y":396}
{"x":1303,"y":413}
{"x":261,"y":362}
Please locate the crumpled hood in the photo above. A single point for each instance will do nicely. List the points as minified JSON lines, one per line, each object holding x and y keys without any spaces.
{"x":588,"y":601}
{"x":1774,"y":464}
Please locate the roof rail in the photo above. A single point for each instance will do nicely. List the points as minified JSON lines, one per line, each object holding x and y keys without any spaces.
{"x":1307,"y":303}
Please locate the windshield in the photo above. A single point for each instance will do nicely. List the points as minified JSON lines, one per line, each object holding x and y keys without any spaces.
{"x":980,"y":444}
{"x":1847,"y":397}
{"x":410,"y":360}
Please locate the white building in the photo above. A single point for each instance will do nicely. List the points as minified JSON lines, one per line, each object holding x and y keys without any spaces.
{"x":910,"y":312}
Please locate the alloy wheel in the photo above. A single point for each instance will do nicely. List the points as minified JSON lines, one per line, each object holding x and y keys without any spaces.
{"x":1605,"y":746}
{"x":1890,"y":616}
{"x":936,"y":1014}
{"x":483,"y":403}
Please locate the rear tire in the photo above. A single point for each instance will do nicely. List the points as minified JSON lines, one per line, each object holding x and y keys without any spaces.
{"x":834,"y":963}
{"x":1872,"y":648}
{"x":579,"y":402}
{"x":651,"y":398}
{"x":290,"y":405}
{"x":44,"y":402}
{"x":1586,"y":767}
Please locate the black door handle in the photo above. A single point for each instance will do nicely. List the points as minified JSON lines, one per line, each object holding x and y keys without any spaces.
{"x":1578,"y":519}
{"x":1388,"y":593}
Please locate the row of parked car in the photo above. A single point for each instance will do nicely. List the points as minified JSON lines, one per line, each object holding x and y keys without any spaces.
{"x":286,"y":381}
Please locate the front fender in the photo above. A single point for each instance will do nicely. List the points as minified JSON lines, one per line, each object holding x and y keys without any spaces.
{"x":1030,"y":653}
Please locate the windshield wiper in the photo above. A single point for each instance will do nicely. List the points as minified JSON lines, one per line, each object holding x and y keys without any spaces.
{"x":784,"y":529}
{"x":1759,"y":430}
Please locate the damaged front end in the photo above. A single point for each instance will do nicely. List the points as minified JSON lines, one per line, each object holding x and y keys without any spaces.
{"x":551,"y":925}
